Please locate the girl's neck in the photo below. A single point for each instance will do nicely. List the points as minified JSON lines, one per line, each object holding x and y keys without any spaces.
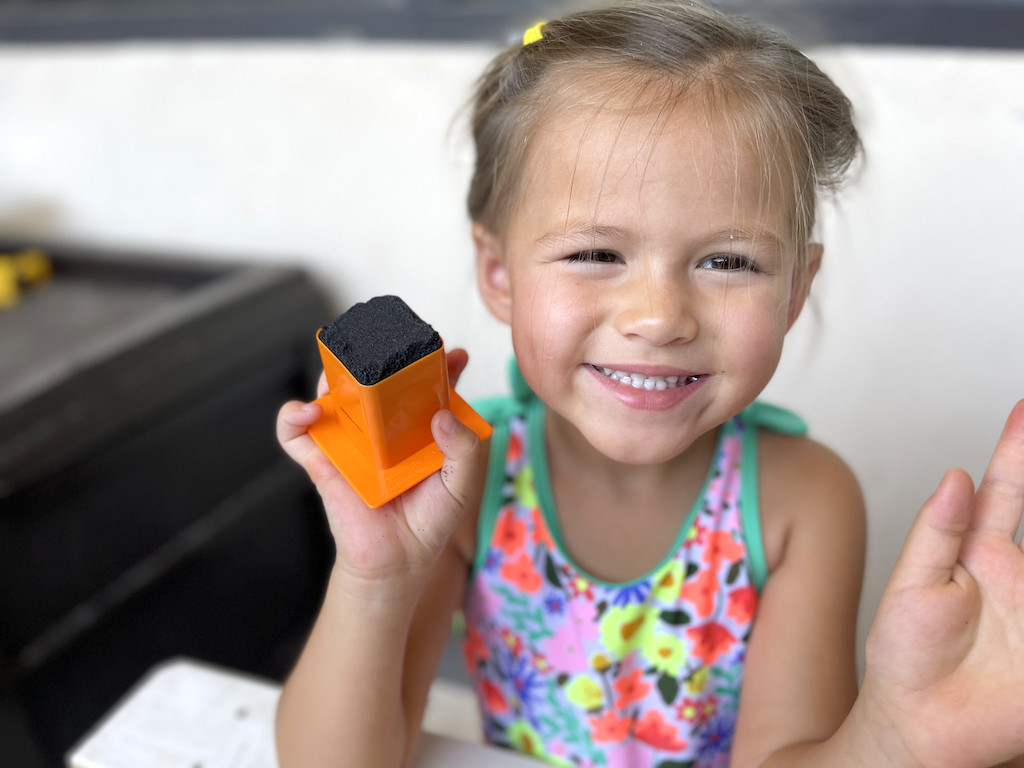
{"x":571,"y":453}
{"x":617,"y":519}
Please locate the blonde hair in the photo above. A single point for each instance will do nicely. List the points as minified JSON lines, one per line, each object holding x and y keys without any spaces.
{"x":785,"y":109}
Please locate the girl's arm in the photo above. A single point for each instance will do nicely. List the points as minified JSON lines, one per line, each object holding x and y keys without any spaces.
{"x":944,"y":684}
{"x":357,"y":693}
{"x":800,"y":678}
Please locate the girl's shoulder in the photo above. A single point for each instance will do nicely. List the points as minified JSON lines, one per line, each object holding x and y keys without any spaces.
{"x":808,"y":493}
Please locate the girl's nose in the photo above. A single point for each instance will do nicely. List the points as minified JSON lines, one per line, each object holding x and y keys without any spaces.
{"x":659,"y":312}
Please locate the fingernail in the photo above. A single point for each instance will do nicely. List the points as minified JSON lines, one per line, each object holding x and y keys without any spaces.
{"x":446,"y":422}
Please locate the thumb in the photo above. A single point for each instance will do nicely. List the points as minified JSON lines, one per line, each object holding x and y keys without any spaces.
{"x":932,"y":548}
{"x":464,"y":457}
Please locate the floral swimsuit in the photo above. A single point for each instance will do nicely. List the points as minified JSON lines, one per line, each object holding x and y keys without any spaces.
{"x":582,"y":672}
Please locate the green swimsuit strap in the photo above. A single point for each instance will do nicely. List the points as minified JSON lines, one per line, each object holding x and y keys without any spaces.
{"x":755,"y":417}
{"x":497,"y":411}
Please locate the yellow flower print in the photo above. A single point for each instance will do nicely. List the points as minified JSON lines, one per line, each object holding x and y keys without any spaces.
{"x":626,"y":628}
{"x":666,"y":653}
{"x":525,"y":492}
{"x":584,"y":692}
{"x":600,"y":662}
{"x":526,"y":740}
{"x":696,"y":682}
{"x":667,"y":584}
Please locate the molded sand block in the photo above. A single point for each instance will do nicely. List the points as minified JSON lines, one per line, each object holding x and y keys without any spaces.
{"x":387,"y":376}
{"x":378,"y":338}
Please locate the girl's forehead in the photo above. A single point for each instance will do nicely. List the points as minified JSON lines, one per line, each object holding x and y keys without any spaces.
{"x":602,"y":143}
{"x":612,"y":113}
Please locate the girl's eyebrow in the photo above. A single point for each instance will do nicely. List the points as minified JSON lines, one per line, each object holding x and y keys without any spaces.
{"x":582,"y":231}
{"x":587,"y":230}
{"x":746,"y":235}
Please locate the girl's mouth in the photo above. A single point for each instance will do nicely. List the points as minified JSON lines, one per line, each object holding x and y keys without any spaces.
{"x":646,"y":383}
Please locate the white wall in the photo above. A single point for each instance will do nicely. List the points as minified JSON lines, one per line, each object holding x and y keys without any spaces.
{"x":343,"y":157}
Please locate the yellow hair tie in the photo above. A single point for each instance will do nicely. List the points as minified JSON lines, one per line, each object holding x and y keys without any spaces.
{"x":534,"y":33}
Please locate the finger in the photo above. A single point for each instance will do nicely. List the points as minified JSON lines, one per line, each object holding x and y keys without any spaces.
{"x":457,"y":360}
{"x":295,"y":418}
{"x":1000,"y":499}
{"x":463,"y":468}
{"x":293,"y":421}
{"x":932,"y":547}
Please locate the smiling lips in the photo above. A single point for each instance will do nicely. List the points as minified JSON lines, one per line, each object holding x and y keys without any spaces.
{"x":647,"y":383}
{"x":647,"y":392}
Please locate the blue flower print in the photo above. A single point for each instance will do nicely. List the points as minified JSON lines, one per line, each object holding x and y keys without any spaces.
{"x":554,"y":603}
{"x":633,"y":593}
{"x":715,"y":738}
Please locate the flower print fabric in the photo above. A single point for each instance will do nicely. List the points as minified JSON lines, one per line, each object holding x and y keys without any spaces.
{"x":580,"y":672}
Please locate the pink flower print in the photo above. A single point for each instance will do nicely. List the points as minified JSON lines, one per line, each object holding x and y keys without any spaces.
{"x":565,"y":650}
{"x":630,"y":755}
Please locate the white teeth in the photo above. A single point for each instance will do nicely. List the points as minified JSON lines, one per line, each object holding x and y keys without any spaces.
{"x":649,"y":383}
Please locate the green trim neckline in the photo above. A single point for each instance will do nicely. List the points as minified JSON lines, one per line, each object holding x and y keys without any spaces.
{"x":542,"y":485}
{"x":523,"y":402}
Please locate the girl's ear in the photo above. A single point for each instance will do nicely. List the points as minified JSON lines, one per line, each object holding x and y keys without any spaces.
{"x":492,"y":272}
{"x":802,"y":283}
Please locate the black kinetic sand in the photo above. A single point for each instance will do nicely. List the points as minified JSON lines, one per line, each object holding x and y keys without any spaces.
{"x":379,"y":337}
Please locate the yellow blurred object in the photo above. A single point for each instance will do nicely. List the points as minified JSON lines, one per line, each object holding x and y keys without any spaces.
{"x":22,"y":268}
{"x":8,"y":283}
{"x":33,"y":266}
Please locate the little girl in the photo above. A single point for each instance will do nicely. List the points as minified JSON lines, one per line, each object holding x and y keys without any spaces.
{"x":655,"y":569}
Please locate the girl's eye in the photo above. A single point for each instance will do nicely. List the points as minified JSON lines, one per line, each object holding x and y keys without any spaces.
{"x":730,"y":262}
{"x":594,"y":257}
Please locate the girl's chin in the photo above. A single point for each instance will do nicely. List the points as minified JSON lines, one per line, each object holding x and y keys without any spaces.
{"x":638,"y":449}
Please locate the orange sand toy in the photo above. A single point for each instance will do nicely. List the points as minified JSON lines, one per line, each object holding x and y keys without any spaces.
{"x":378,"y":436}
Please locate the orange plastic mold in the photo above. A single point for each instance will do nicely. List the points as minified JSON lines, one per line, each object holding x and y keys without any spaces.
{"x":378,"y":436}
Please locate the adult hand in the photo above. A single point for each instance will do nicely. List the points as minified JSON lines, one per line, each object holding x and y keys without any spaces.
{"x":945,"y":656}
{"x":398,"y":542}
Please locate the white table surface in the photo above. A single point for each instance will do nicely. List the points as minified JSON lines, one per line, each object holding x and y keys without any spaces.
{"x":187,"y":714}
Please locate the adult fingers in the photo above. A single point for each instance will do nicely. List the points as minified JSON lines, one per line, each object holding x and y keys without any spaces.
{"x":932,"y":547}
{"x":1000,"y":498}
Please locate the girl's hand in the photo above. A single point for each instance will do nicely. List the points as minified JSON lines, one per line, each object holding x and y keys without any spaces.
{"x":945,"y":656}
{"x":397,"y":543}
